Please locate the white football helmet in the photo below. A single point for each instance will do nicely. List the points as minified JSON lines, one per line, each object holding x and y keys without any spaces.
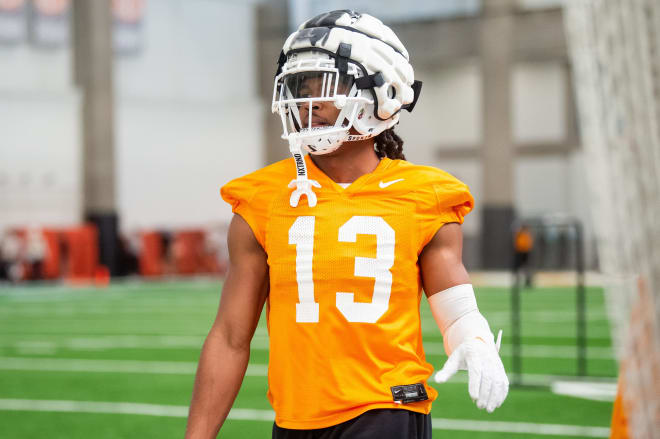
{"x":352,"y":60}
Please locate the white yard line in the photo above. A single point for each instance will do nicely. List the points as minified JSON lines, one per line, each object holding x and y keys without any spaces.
{"x":537,"y":351}
{"x":112,"y":366}
{"x":430,"y":330}
{"x":538,"y":316}
{"x":594,"y":391}
{"x":189,"y":368}
{"x":127,"y":408}
{"x":260,"y":342}
{"x":520,"y":428}
{"x":174,"y":306}
{"x":178,"y":411}
{"x":111,"y":342}
{"x":48,"y":291}
{"x":179,"y":309}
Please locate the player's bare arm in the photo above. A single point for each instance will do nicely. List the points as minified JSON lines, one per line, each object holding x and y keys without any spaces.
{"x":441,"y":261}
{"x":467,"y":337}
{"x":226,"y":351}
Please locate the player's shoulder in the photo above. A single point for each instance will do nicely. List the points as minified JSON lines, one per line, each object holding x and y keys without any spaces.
{"x":433,"y":189}
{"x":263,"y":182}
{"x":278,"y":170}
{"x":421,"y":176}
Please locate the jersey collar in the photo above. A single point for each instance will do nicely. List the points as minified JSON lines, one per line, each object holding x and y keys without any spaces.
{"x":326,"y":182}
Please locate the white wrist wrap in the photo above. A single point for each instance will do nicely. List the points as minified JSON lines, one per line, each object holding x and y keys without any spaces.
{"x":457,"y":315}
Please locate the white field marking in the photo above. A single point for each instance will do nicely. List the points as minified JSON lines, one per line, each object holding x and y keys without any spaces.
{"x":18,"y":298}
{"x":62,"y":316}
{"x":586,"y":390}
{"x":126,"y":408}
{"x":112,"y":366}
{"x":188,"y":368}
{"x":36,"y":348}
{"x":536,"y":351}
{"x":429,"y":322}
{"x":555,"y":316}
{"x":176,"y":340}
{"x":111,"y":311}
{"x":179,"y":411}
{"x":63,"y":293}
{"x":534,"y":379}
{"x":569,"y":332}
{"x":258,"y":343}
{"x":111,"y":342}
{"x":118,"y":299}
{"x":118,"y":342}
{"x":519,"y":427}
{"x":115,"y":287}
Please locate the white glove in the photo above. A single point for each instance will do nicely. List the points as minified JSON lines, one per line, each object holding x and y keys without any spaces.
{"x":488,"y":384}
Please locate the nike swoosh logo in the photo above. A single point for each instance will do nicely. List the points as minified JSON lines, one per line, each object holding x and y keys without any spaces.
{"x":383,"y":184}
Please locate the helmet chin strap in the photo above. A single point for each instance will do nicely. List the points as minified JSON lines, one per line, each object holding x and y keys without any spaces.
{"x":302,"y":184}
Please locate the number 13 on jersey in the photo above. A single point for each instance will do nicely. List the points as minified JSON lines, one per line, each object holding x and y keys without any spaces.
{"x":301,"y":234}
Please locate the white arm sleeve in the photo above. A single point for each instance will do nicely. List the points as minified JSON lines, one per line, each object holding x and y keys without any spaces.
{"x":457,"y":315}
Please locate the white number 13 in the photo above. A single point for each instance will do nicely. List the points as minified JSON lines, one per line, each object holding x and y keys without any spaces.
{"x":301,"y":234}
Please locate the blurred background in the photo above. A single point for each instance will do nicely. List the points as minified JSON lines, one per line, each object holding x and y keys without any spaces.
{"x":134,"y":117}
{"x":120,"y":120}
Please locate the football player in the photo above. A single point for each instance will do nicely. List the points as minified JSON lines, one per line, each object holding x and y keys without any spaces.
{"x":339,"y":244}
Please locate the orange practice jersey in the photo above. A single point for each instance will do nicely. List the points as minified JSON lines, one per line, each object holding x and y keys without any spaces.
{"x":523,"y":242}
{"x":345,"y":289}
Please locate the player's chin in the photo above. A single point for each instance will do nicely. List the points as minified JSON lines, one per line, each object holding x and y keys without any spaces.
{"x":341,"y":149}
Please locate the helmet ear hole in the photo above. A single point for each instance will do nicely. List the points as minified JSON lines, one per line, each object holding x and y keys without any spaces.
{"x":391,"y":92}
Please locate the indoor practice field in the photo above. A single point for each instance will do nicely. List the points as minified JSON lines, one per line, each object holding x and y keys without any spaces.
{"x":119,"y":362}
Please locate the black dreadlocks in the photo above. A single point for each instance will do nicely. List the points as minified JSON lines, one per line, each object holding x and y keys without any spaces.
{"x":389,"y":145}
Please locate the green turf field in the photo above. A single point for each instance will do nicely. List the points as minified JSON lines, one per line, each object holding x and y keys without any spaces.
{"x":119,"y":362}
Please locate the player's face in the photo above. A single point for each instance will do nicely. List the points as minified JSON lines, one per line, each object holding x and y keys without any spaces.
{"x":324,"y":113}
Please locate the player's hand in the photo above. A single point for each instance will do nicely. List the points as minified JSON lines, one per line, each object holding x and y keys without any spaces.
{"x":488,"y":384}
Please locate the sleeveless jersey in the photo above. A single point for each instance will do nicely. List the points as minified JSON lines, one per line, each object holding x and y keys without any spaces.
{"x":345,"y":288}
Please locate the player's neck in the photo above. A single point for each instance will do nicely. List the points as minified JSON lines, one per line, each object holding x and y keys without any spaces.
{"x":348,"y":163}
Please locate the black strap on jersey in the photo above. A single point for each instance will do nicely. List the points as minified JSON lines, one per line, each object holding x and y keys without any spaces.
{"x":408,"y":393}
{"x":370,"y":81}
{"x":341,"y":58}
{"x":417,"y":89}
